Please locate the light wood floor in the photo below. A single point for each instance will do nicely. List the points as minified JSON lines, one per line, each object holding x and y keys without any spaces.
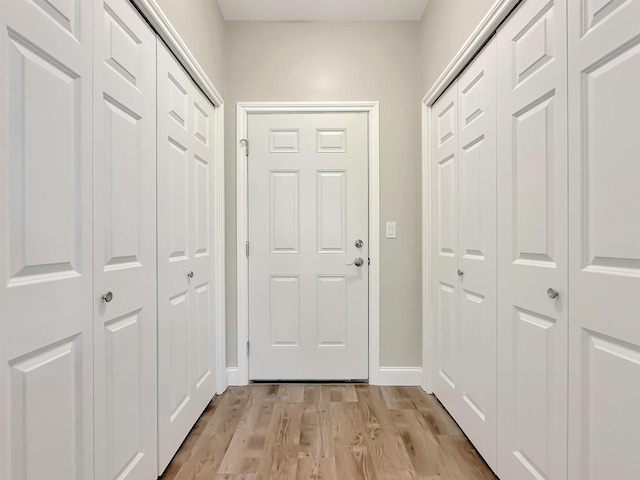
{"x":329,"y":432}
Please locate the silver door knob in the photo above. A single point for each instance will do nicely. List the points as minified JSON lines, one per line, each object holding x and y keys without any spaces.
{"x":552,"y":293}
{"x":358,"y":262}
{"x":107,"y":297}
{"x":460,"y":273}
{"x":358,"y":243}
{"x":190,"y":274}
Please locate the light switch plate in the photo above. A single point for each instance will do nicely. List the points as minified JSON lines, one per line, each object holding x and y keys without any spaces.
{"x":391,"y":230}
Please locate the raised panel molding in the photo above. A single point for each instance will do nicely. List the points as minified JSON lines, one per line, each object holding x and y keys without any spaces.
{"x":533,"y":46}
{"x":596,"y":11}
{"x":533,"y":160}
{"x":46,"y":429}
{"x":123,"y":351}
{"x":471,"y":183}
{"x":446,"y":124}
{"x":284,"y":140}
{"x":533,"y":361}
{"x":202,"y":206}
{"x":201,"y":123}
{"x":331,"y":211}
{"x":331,"y":321}
{"x":179,"y":202}
{"x":284,"y":211}
{"x":64,"y":12}
{"x":284,"y":310}
{"x":44,"y":190}
{"x":610,"y":179}
{"x":331,"y":140}
{"x":447,"y":337}
{"x":605,"y":356}
{"x":177,"y":101}
{"x":204,"y":351}
{"x":122,"y":47}
{"x":180,"y":348}
{"x":446,"y":201}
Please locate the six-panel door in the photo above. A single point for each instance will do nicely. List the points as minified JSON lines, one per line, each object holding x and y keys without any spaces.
{"x":604,"y":239}
{"x":186,"y":374}
{"x":532,"y":242}
{"x":308,"y":205}
{"x":46,"y":264}
{"x":124,"y":172}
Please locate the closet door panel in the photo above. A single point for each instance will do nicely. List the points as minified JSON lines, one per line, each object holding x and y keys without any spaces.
{"x":186,"y":355}
{"x":532,"y":241}
{"x":124,"y":243}
{"x":477,"y":252}
{"x":604,"y":371}
{"x":444,"y":157}
{"x":46,"y":328}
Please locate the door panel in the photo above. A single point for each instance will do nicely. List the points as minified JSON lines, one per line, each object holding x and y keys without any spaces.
{"x":308,"y":204}
{"x":604,"y":268}
{"x":532,"y":238}
{"x":124,"y":243}
{"x":186,"y":379}
{"x":477,"y":252}
{"x":46,"y":328}
{"x":444,"y":157}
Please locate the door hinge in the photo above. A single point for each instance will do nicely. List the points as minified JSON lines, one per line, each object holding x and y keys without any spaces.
{"x":248,"y":347}
{"x":247,"y":249}
{"x":245,"y":143}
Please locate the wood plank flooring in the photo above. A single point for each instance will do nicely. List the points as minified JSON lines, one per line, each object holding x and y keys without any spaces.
{"x":326,"y":432}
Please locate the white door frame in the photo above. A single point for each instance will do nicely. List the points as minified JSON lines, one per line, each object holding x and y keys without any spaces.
{"x":372,"y":109}
{"x":498,"y":12}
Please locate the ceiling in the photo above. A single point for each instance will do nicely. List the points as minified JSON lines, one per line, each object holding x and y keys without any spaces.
{"x":322,"y":10}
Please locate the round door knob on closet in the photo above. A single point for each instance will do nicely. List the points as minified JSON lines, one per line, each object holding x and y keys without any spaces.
{"x":460,"y":273}
{"x":107,"y":297}
{"x":190,"y":274}
{"x":552,"y":293}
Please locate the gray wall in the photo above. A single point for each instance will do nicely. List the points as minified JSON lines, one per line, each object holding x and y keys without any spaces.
{"x":445,"y":26}
{"x":202,"y":27}
{"x":344,"y":61}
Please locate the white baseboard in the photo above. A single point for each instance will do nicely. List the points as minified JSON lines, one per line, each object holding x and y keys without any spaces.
{"x":401,"y":376}
{"x":232,"y":376}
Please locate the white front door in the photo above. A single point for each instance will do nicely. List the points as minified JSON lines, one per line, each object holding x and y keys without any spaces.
{"x":532,"y":240}
{"x":46,"y":263}
{"x":604,"y":234}
{"x":186,"y":373}
{"x":124,"y":172}
{"x":308,"y":239}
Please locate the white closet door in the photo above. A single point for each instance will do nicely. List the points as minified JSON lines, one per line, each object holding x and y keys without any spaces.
{"x":186,"y":373}
{"x":604,"y":136}
{"x":477,"y":253}
{"x":444,"y":158}
{"x":532,"y":240}
{"x":46,"y":304}
{"x":124,"y":159}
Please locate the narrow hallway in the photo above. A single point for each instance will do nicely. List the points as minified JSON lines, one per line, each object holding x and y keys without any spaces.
{"x":344,"y":432}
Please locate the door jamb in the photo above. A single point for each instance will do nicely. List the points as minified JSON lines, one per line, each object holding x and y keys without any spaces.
{"x":244,"y":109}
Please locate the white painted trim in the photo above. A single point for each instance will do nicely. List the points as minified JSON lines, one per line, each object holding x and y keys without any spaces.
{"x":426,"y":250}
{"x":476,"y":41}
{"x":373,"y":111}
{"x":478,"y":38}
{"x":401,"y":376}
{"x":232,"y":376}
{"x":219,"y":252}
{"x":154,"y":15}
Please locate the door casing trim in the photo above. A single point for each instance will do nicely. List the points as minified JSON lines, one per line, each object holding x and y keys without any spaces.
{"x":244,"y":109}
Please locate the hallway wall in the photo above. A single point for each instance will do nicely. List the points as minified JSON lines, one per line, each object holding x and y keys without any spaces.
{"x":445,"y":26}
{"x":202,"y":27}
{"x":301,"y":61}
